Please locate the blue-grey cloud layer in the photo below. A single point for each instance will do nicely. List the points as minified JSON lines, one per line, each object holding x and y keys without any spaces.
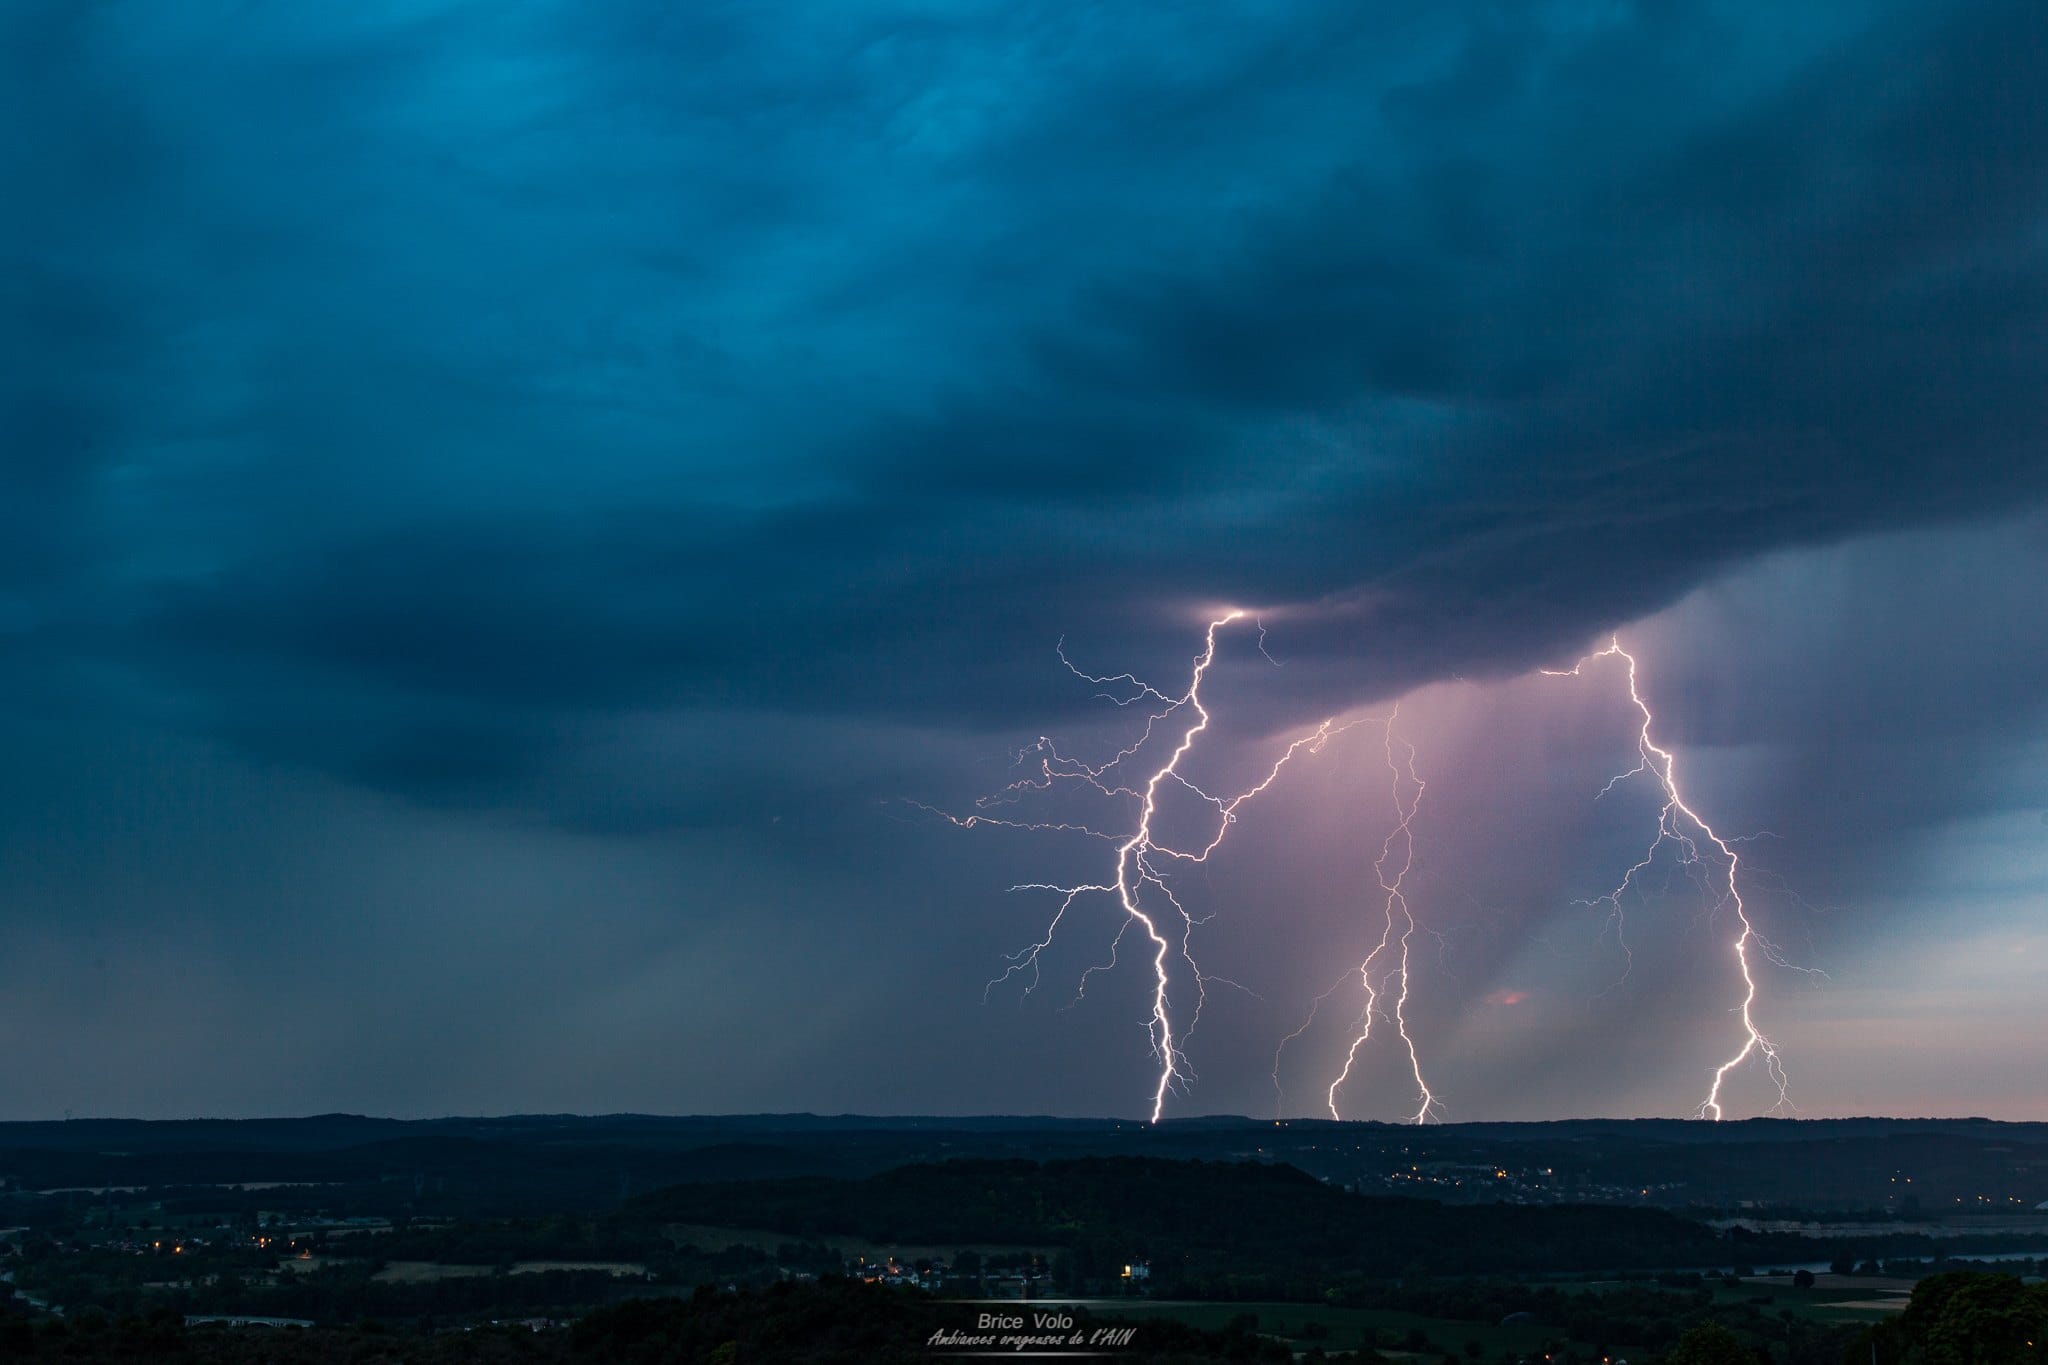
{"x":631,"y":416}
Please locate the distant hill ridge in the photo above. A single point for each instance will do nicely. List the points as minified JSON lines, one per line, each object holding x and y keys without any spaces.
{"x":348,"y":1130}
{"x":571,"y":1163}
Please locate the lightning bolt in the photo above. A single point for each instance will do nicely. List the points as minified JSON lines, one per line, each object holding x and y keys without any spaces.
{"x":1679,"y":824}
{"x":1392,"y":873}
{"x":1140,"y":880}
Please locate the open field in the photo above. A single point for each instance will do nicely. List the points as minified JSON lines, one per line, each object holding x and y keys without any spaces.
{"x":424,"y":1272}
{"x":1347,"y":1329}
{"x":1833,"y":1298}
{"x":709,"y":1238}
{"x":2028,"y":1223}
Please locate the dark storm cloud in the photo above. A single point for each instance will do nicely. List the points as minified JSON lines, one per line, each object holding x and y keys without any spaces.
{"x":72,"y":384}
{"x":501,"y":503}
{"x":395,"y":392}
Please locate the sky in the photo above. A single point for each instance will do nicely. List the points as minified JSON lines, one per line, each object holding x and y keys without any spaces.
{"x":514,"y":517}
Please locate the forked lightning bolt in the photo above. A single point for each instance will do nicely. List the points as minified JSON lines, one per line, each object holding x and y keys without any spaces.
{"x":1392,"y":870}
{"x":1139,"y":878}
{"x":1674,"y":825}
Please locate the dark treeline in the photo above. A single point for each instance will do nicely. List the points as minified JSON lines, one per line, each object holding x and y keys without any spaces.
{"x":1641,"y":1319}
{"x":1223,"y":1230}
{"x":239,"y":1281}
{"x":1959,"y":1318}
{"x":415,"y":1176}
{"x":831,"y":1322}
{"x":1962,"y":1318}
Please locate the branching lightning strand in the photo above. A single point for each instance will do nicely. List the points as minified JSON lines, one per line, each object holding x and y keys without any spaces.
{"x":1143,"y":860}
{"x":1395,"y":939}
{"x":1673,"y":821}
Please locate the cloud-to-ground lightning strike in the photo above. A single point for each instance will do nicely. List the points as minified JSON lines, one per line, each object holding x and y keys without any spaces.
{"x":1673,"y":822}
{"x":1391,"y":874}
{"x":1403,"y":833}
{"x":1140,"y":882}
